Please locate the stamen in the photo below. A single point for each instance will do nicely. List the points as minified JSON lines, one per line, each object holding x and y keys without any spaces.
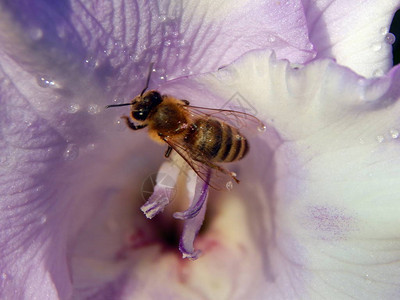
{"x":194,"y":218}
{"x":164,"y":190}
{"x":195,"y":206}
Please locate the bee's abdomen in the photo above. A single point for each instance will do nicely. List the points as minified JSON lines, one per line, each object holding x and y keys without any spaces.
{"x":216,"y":141}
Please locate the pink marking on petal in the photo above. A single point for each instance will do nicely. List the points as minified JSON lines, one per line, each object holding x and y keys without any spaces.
{"x":329,"y":223}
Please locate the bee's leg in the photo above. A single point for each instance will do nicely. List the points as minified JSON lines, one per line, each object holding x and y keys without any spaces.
{"x":186,"y":102}
{"x":232,"y":174}
{"x":131,"y":125}
{"x":168,"y":152}
{"x":221,"y":169}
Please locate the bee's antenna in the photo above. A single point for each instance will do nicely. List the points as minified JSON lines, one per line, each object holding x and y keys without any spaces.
{"x":141,"y":94}
{"x":148,"y":79}
{"x":114,"y":105}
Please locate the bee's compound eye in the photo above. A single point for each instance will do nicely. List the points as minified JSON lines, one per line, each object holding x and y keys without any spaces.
{"x":154,"y":98}
{"x":140,"y":114}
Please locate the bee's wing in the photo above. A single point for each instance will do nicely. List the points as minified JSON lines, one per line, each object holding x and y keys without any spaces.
{"x":201,"y":166}
{"x":238,"y":119}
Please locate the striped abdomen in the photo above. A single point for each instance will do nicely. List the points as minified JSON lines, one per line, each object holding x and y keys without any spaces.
{"x":215,"y":141}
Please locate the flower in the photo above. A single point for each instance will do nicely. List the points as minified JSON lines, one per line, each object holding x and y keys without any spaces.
{"x":316,"y":211}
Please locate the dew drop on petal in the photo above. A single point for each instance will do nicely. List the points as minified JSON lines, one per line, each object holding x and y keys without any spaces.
{"x":93,"y":109}
{"x":378,"y":73}
{"x":380,"y":138}
{"x":90,"y":63}
{"x":262,"y":128}
{"x":61,"y":32}
{"x":224,"y":74}
{"x":390,"y":38}
{"x":35,"y":33}
{"x":45,"y":81}
{"x":376,"y":47}
{"x":162,"y":18}
{"x":73,"y":108}
{"x":394,"y":133}
{"x":229,"y":185}
{"x":120,"y":124}
{"x":43,"y":219}
{"x":272,"y":39}
{"x":384,"y":30}
{"x":5,"y":160}
{"x":71,"y":152}
{"x":361,"y":88}
{"x":91,"y":147}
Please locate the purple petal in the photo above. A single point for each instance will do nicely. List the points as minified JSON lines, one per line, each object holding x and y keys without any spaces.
{"x":60,"y":64}
{"x":194,"y":218}
{"x":70,"y":182}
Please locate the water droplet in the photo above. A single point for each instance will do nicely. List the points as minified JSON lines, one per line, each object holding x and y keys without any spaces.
{"x":167,"y":43}
{"x":40,"y":188}
{"x":91,"y":147}
{"x":5,"y":161}
{"x":224,"y":74}
{"x":93,"y":109}
{"x":45,"y":81}
{"x":394,"y":133}
{"x":90,"y":63}
{"x":120,"y":124}
{"x":229,"y":185}
{"x":61,"y":32}
{"x":262,"y":128}
{"x":378,"y":73}
{"x":43,"y":219}
{"x":272,"y":39}
{"x":162,"y":18}
{"x":73,"y":108}
{"x":361,"y":88}
{"x":182,"y":42}
{"x":71,"y":152}
{"x":35,"y":33}
{"x":380,"y":138}
{"x":376,"y":47}
{"x":384,"y":30}
{"x":390,"y":38}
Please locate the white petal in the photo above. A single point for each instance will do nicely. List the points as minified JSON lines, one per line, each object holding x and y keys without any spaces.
{"x":321,"y":185}
{"x":355,"y":33}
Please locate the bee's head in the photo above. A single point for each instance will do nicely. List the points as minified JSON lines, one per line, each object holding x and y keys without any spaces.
{"x":143,"y":105}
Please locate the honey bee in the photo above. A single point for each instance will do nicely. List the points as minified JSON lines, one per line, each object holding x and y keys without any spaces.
{"x":203,"y":137}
